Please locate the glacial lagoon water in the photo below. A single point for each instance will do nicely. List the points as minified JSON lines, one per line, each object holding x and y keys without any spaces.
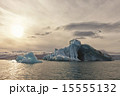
{"x":52,"y":70}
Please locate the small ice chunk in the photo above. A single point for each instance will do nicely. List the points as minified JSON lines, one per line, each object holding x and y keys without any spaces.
{"x":29,"y":58}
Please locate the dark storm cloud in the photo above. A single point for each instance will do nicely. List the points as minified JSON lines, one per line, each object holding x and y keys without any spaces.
{"x":92,"y":26}
{"x":91,"y":34}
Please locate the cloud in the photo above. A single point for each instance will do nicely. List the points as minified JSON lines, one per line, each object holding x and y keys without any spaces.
{"x":1,"y":24}
{"x":47,"y":28}
{"x":81,"y":38}
{"x":93,"y":26}
{"x":83,"y":34}
{"x":32,"y":37}
{"x":58,"y":28}
{"x":43,"y":34}
{"x":78,"y":33}
{"x":39,"y":34}
{"x":40,"y":18}
{"x":1,"y":13}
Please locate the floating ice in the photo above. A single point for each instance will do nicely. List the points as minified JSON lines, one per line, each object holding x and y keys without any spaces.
{"x":88,"y":53}
{"x":77,"y":52}
{"x":29,"y":58}
{"x":65,"y":54}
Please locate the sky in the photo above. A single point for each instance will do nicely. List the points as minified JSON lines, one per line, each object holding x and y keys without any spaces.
{"x":48,"y":24}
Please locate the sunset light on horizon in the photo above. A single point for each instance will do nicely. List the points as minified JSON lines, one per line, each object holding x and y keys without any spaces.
{"x":45,"y":24}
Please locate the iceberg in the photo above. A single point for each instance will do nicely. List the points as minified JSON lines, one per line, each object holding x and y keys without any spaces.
{"x":65,"y":54}
{"x":77,"y":52}
{"x":29,"y":58}
{"x":88,"y":53}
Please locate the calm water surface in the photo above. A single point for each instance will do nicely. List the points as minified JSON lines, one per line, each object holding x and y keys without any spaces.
{"x":52,"y":70}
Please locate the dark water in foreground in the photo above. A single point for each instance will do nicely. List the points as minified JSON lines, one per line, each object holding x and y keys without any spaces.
{"x":60,"y":70}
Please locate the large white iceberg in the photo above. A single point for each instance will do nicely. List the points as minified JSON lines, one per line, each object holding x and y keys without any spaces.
{"x":29,"y":58}
{"x":65,"y":54}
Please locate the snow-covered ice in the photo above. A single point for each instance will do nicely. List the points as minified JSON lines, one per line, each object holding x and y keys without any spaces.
{"x":29,"y":58}
{"x":65,"y":54}
{"x":77,"y":52}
